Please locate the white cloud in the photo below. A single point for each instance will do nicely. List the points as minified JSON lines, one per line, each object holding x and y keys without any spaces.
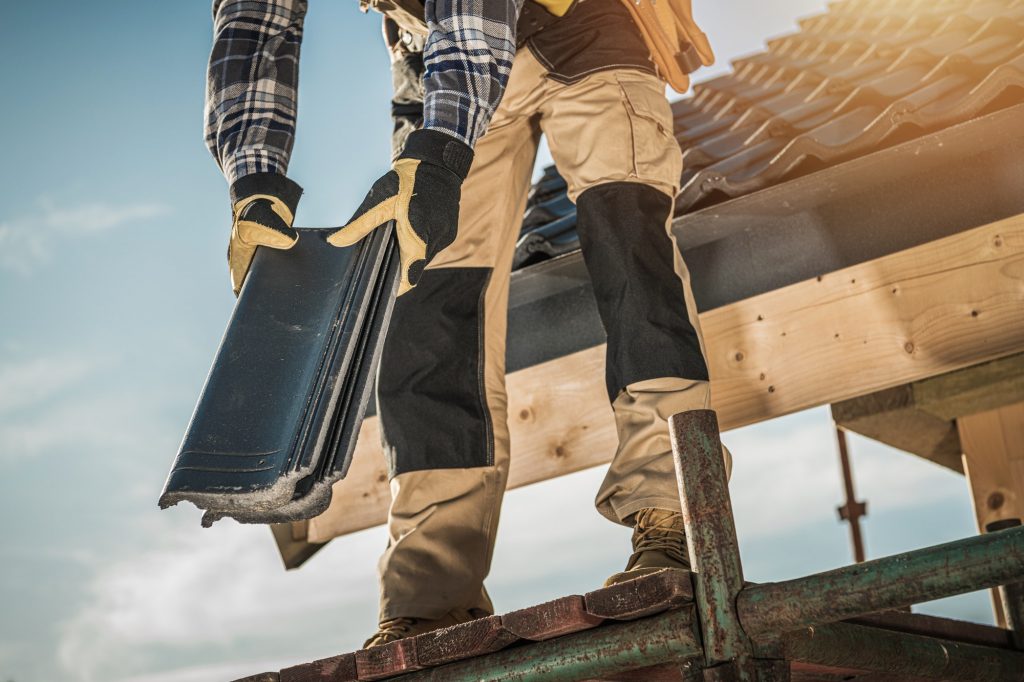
{"x":104,"y":422}
{"x":31,"y":382}
{"x":216,"y":672}
{"x":30,"y":241}
{"x":787,"y":475}
{"x":209,"y":594}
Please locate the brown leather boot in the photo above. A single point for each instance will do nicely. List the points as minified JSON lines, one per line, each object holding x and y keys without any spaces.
{"x":659,"y":543}
{"x":400,"y":628}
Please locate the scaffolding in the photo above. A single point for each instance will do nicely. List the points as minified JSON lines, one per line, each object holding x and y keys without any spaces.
{"x":726,"y":629}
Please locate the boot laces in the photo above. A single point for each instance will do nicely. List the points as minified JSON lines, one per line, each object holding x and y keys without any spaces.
{"x":659,"y":530}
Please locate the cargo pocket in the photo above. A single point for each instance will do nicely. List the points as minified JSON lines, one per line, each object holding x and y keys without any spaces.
{"x":657,"y":159}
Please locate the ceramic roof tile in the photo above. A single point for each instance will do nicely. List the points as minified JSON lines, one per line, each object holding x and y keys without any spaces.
{"x":862,"y":76}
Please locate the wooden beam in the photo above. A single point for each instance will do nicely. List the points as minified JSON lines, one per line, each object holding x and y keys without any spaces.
{"x":993,"y":460}
{"x":993,"y":445}
{"x":925,"y":311}
{"x":920,"y":417}
{"x":895,"y":418}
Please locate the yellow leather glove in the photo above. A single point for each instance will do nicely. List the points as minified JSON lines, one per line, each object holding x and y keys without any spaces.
{"x":263,"y":210}
{"x":421,"y":194}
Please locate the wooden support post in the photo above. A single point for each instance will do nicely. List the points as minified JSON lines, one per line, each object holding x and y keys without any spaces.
{"x":1011,"y":595}
{"x":993,"y":461}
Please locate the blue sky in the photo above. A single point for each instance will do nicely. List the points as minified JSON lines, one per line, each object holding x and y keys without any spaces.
{"x":114,"y":294}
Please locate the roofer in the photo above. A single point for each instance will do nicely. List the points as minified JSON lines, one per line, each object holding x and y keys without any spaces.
{"x":580,"y":73}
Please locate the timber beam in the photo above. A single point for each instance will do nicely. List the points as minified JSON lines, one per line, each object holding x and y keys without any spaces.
{"x":926,"y":311}
{"x":921,"y":417}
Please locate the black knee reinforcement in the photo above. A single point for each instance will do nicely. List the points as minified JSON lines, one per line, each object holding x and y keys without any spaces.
{"x":430,"y":387}
{"x":629,"y":256}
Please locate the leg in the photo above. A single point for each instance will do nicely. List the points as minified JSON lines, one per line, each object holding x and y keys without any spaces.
{"x":441,"y":393}
{"x":623,"y":168}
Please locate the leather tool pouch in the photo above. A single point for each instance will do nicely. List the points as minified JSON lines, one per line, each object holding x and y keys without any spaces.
{"x":677,"y":44}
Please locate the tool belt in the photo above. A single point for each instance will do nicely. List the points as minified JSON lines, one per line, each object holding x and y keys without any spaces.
{"x":677,"y":45}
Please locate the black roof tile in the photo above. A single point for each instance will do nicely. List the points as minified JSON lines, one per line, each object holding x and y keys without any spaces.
{"x":863,"y":76}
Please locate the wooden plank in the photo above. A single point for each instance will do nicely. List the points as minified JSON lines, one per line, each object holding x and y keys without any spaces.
{"x":387,"y":660}
{"x":334,"y":669}
{"x":555,"y":618}
{"x":993,"y":460}
{"x":475,"y":638}
{"x":920,"y":417}
{"x":293,"y":543}
{"x":894,"y":417}
{"x":641,"y":597}
{"x":915,"y":314}
{"x":993,"y":445}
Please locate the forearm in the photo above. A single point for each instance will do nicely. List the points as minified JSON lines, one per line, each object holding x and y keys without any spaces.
{"x":467,"y":59}
{"x":252,"y":82}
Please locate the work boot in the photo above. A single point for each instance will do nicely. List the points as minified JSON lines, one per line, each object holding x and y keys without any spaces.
{"x":659,"y":543}
{"x":263,"y":210}
{"x":399,"y":628}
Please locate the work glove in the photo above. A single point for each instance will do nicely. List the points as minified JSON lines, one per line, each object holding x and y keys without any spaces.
{"x":263,"y":210}
{"x":421,"y":194}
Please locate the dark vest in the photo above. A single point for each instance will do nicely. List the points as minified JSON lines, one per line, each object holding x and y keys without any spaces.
{"x":594,"y":35}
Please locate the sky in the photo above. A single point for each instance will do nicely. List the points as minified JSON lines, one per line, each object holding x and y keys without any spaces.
{"x":114,"y":294}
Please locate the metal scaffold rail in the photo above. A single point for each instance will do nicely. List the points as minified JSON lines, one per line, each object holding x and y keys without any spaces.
{"x":713,"y":626}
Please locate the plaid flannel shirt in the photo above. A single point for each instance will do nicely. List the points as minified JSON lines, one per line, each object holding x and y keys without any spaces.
{"x":252,"y":79}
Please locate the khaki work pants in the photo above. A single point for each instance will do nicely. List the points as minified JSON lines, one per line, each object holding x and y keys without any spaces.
{"x":614,"y":126}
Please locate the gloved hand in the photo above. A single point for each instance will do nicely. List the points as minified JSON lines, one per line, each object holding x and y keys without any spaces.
{"x":263,"y":210}
{"x":421,"y":194}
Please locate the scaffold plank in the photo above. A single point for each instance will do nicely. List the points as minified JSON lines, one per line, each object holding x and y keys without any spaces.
{"x":641,"y":597}
{"x":551,"y":619}
{"x":334,"y":669}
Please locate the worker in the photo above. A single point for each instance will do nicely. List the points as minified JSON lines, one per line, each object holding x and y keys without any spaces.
{"x":583,"y":75}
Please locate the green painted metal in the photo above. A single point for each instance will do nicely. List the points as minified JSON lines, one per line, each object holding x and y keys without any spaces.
{"x":898,"y":653}
{"x":892,"y":582}
{"x":607,"y":650}
{"x":710,"y":533}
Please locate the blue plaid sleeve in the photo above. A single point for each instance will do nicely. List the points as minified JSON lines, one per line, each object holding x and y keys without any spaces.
{"x":252,"y":83}
{"x":467,"y":60}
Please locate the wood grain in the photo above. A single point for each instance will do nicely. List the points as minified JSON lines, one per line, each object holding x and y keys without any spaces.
{"x":467,"y":640}
{"x":911,"y":315}
{"x":334,"y":669}
{"x":641,"y":597}
{"x":993,"y":445}
{"x":552,"y":619}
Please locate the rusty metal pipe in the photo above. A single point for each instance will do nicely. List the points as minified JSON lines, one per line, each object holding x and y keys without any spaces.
{"x":872,"y":649}
{"x":607,"y":650}
{"x":892,"y":582}
{"x":710,"y":533}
